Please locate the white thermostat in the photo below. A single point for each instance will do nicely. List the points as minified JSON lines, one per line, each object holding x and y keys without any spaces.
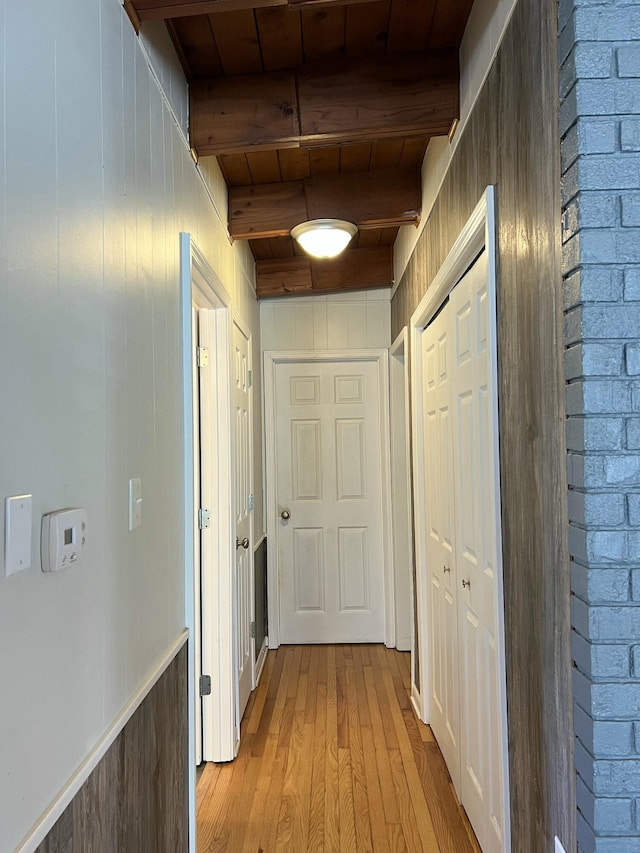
{"x":63,"y":538}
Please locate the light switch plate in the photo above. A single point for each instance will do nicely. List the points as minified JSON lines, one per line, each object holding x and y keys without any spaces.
{"x":135,"y":503}
{"x":17,"y":533}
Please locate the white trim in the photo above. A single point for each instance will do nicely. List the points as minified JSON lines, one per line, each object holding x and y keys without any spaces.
{"x":47,"y":820}
{"x":466,"y":248}
{"x":270,"y":359}
{"x":200,"y":285}
{"x":479,"y":233}
{"x":400,"y":349}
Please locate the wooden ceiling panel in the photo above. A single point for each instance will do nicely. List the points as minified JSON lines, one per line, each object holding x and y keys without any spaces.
{"x":235,"y":169}
{"x":388,"y":236}
{"x":367,"y":239}
{"x":410,"y":24}
{"x":280,"y":32}
{"x":298,"y":99}
{"x":264,"y":167}
{"x":413,"y":151}
{"x":294,"y":164}
{"x":355,"y":269}
{"x":324,"y":161}
{"x":368,"y":199}
{"x":196,"y":47}
{"x":323,"y":32}
{"x":386,"y":154}
{"x":366,"y":29}
{"x":282,"y":247}
{"x":449,"y":24}
{"x":237,"y":40}
{"x":261,"y":249}
{"x":355,"y":157}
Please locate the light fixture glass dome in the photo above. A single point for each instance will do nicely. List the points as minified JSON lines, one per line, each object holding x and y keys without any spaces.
{"x":324,"y":238}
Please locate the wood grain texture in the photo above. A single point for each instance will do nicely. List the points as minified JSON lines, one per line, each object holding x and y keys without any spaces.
{"x":355,"y":269}
{"x":136,"y":798}
{"x":377,"y":200}
{"x":315,"y":788}
{"x":512,"y":141}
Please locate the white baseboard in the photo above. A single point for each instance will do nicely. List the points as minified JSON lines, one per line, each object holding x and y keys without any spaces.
{"x":48,"y":818}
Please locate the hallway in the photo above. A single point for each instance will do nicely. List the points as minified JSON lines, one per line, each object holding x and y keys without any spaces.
{"x":332,"y":759}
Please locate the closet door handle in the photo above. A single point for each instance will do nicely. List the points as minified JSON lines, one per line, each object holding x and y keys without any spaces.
{"x":466,"y":584}
{"x":446,"y":569}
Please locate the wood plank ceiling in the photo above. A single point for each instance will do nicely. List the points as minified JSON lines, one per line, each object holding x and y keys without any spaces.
{"x":317,"y":108}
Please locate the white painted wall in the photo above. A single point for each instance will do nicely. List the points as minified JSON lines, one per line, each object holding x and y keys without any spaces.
{"x":360,"y":320}
{"x":96,"y":182}
{"x":484,"y":31}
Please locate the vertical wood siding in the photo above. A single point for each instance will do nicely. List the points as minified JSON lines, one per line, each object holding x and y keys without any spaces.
{"x":512,"y":141}
{"x":136,"y":798}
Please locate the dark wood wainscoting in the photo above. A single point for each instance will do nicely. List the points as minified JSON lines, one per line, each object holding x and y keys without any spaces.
{"x":136,"y":798}
{"x":512,"y":141}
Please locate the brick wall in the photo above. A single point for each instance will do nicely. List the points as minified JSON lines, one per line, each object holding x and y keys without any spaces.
{"x":599,"y":54}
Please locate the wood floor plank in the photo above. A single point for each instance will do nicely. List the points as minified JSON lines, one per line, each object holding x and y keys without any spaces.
{"x":358,"y":774}
{"x":379,"y":836}
{"x":423,"y":817}
{"x":315,"y":842}
{"x":331,"y":802}
{"x":347,"y":815}
{"x":389,"y":801}
{"x":332,"y":760}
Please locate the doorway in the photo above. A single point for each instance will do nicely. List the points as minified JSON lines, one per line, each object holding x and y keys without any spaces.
{"x":328,"y":497}
{"x":458,"y":525}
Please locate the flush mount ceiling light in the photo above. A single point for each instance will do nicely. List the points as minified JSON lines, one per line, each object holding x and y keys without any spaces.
{"x":324,"y":238}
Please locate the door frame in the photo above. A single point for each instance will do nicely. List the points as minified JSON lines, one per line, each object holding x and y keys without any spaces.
{"x":399,"y":389}
{"x":478,"y":234}
{"x":271,"y":358}
{"x":200,"y":285}
{"x":245,"y":331}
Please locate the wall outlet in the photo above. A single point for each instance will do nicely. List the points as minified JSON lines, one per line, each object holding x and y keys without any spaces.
{"x":558,"y":846}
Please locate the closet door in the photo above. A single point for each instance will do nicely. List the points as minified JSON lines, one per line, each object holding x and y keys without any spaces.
{"x":473,"y":398}
{"x":439,"y":511}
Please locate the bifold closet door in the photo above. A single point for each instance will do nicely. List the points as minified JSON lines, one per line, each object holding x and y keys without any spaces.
{"x":475,"y":546}
{"x":460,"y":465}
{"x":439,"y":511}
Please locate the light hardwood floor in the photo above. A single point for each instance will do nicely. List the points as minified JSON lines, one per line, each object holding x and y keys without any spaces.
{"x":332,"y":758}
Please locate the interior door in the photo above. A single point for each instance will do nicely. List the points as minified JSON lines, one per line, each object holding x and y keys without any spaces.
{"x":329,"y":495}
{"x":242,"y":472}
{"x":476,"y":549}
{"x":439,"y":510}
{"x":197,"y":534}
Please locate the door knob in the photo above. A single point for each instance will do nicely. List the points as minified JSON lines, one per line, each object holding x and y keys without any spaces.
{"x":466,"y":584}
{"x":242,"y":543}
{"x":285,"y":515}
{"x":446,"y":569}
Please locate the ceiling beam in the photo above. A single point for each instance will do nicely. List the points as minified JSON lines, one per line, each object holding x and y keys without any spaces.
{"x":382,"y":199}
{"x":149,"y":10}
{"x":397,"y":96}
{"x":355,"y":269}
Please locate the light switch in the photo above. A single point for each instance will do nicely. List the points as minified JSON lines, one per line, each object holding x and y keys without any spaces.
{"x":17,"y":534}
{"x":135,"y":503}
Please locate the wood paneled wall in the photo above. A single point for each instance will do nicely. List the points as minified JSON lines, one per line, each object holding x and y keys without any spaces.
{"x":512,"y":141}
{"x":136,"y":798}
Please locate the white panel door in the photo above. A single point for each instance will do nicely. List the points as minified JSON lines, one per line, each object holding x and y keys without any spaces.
{"x":473,"y":402}
{"x":329,"y":480}
{"x":244,"y":551}
{"x":440,"y":529}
